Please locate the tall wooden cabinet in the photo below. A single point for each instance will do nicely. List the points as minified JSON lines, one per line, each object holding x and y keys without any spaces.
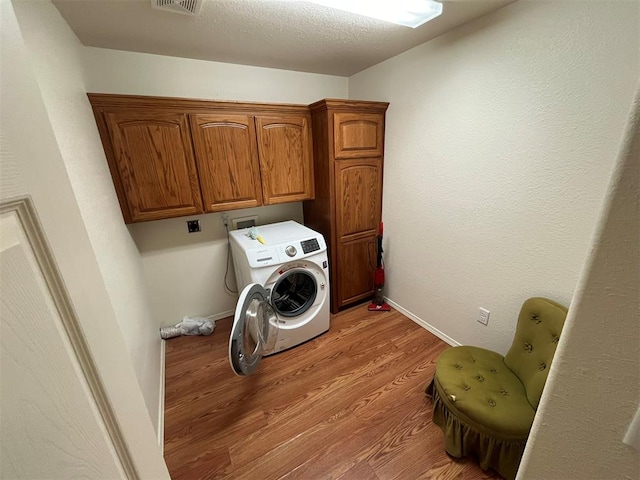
{"x":172,"y":157}
{"x":348,"y":150}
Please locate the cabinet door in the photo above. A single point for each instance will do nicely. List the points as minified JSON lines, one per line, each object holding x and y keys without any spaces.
{"x":356,"y":263}
{"x":284,"y":147}
{"x":358,"y":134}
{"x":358,"y":197}
{"x":154,"y":160}
{"x":358,"y":207}
{"x":227,"y":158}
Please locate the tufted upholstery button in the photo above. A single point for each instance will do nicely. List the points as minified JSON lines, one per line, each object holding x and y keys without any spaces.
{"x":473,"y":360}
{"x":466,"y":388}
{"x":536,"y":318}
{"x":542,"y":366}
{"x":528,"y":347}
{"x":492,"y":402}
{"x":480,"y":378}
{"x":458,"y":366}
{"x":504,"y":392}
{"x":555,"y":338}
{"x":494,"y":371}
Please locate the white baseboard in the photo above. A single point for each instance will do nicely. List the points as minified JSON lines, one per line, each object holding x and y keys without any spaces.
{"x":161,"y":399}
{"x":423,"y":323}
{"x":221,"y":315}
{"x":214,"y":318}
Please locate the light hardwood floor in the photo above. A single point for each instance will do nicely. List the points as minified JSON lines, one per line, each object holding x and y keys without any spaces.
{"x":346,"y":405}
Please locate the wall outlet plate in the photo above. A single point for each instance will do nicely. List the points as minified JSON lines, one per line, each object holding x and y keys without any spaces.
{"x":483,"y":318}
{"x":193,"y":226}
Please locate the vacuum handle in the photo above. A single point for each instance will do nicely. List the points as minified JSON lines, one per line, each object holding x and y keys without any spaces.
{"x":379,"y":246}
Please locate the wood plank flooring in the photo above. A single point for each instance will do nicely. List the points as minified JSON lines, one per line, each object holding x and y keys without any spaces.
{"x":347,"y":405}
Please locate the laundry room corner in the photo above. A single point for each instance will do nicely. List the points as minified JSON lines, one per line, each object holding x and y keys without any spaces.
{"x":185,"y":272}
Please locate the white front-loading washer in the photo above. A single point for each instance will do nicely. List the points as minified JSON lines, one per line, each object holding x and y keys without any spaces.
{"x":283,"y":280}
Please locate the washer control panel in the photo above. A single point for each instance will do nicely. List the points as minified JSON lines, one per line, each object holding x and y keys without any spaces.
{"x":309,"y":246}
{"x":266,"y":255}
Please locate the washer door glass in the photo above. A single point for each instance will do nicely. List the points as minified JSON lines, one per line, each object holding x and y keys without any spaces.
{"x":254,"y":331}
{"x":294,"y":293}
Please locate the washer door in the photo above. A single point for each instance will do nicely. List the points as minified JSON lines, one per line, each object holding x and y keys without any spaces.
{"x":254,"y":331}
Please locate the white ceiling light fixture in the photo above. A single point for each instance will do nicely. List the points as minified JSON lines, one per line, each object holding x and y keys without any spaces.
{"x":411,"y":13}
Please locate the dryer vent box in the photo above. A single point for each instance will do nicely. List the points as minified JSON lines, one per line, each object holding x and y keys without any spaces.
{"x":244,"y":222}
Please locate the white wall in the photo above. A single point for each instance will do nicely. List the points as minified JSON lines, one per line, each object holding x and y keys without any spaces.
{"x":501,"y":136}
{"x":185,"y":272}
{"x":31,"y":163}
{"x":594,"y":384}
{"x":115,"y":71}
{"x":55,"y":55}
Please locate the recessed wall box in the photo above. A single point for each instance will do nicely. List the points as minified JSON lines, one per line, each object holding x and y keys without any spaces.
{"x":244,"y":222}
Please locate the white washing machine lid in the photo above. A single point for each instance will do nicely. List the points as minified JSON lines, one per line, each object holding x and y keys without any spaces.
{"x":283,"y":242}
{"x":254,"y":331}
{"x":275,"y":233}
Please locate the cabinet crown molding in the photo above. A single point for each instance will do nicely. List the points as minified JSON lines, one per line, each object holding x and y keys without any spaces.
{"x":349,"y":105}
{"x":191,"y":105}
{"x":196,"y":104}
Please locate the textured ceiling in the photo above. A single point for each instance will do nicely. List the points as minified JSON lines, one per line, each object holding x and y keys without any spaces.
{"x":291,"y":35}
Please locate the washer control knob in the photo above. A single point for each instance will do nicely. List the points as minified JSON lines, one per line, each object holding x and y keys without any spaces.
{"x":291,"y":251}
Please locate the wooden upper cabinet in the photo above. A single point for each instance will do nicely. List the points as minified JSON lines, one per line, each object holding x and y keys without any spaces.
{"x":227,"y":158}
{"x":284,"y":149}
{"x":358,"y":135}
{"x":154,"y":163}
{"x":173,"y":157}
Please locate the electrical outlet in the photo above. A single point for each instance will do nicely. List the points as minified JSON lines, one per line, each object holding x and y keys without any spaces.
{"x":484,"y":316}
{"x":225,"y":221}
{"x":193,"y":226}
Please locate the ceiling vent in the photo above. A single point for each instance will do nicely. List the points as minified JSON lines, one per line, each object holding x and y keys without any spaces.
{"x":185,"y":7}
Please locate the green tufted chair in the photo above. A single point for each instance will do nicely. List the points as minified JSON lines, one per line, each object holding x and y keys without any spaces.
{"x":484,"y":402}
